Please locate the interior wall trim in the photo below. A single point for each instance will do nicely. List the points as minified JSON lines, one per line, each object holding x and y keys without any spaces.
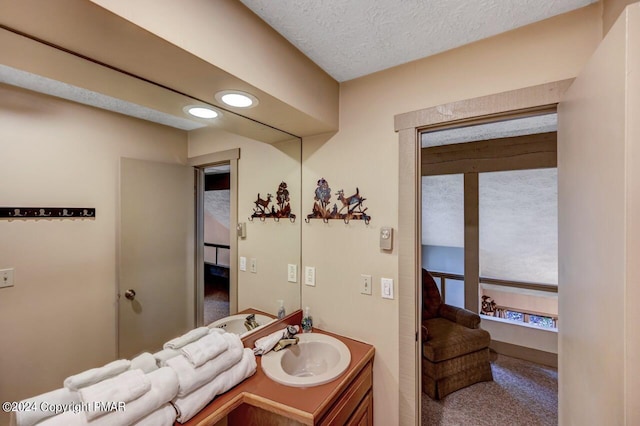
{"x":491,"y":106}
{"x":214,"y":157}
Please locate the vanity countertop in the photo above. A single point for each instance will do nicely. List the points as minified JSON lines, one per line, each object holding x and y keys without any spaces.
{"x":304,"y":405}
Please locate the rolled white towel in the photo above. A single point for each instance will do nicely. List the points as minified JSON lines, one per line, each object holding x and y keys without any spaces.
{"x":191,"y":378}
{"x":164,"y":387}
{"x":186,"y":338}
{"x":95,"y":375}
{"x":163,"y":416}
{"x":204,"y":349}
{"x":189,"y":405}
{"x":60,"y":396}
{"x":164,"y":355}
{"x":145,"y":362}
{"x":266,"y":343}
{"x":125,"y":387}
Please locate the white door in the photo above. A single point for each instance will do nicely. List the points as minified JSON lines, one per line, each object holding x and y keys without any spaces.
{"x":598,"y":233}
{"x":156,"y":284}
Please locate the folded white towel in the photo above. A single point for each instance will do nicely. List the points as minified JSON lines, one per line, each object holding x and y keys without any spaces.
{"x":188,"y":406}
{"x":96,"y":375}
{"x":125,"y":387}
{"x":29,"y":418}
{"x":164,"y":355}
{"x":204,"y":349}
{"x":145,"y":362}
{"x":187,"y":338}
{"x":191,"y":378}
{"x":164,"y":387}
{"x":266,"y":343}
{"x":163,"y":416}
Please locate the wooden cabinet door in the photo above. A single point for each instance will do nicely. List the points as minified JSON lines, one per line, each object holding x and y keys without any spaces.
{"x":363,"y":415}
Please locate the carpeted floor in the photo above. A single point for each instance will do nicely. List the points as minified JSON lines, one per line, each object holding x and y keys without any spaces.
{"x":522,"y":393}
{"x":216,"y":299}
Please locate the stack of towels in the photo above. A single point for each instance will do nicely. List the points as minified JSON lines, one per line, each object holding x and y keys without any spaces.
{"x":122,"y":392}
{"x":207,"y":362}
{"x":149,"y":390}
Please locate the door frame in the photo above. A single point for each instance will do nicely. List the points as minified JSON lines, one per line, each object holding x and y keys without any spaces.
{"x":201,"y":162}
{"x":409,"y":126}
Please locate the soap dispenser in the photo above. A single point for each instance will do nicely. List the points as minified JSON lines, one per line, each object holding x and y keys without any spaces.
{"x":307,"y":321}
{"x":281,"y":311}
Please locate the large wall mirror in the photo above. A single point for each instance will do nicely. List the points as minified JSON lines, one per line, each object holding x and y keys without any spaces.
{"x":172,"y":242}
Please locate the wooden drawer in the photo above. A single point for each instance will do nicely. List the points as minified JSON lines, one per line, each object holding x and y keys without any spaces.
{"x":363,"y":415}
{"x":343,"y":409}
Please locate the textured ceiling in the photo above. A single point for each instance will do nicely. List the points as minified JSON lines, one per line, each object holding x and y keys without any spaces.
{"x":349,"y":39}
{"x":497,"y":129}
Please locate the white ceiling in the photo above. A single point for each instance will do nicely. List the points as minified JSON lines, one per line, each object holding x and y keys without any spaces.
{"x":349,"y":39}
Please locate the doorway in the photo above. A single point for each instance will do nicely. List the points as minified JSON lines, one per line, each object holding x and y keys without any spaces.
{"x":409,"y":127}
{"x":217,"y":239}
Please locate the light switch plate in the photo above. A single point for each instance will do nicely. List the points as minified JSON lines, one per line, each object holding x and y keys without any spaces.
{"x":386,"y":289}
{"x":310,"y":275}
{"x":253,"y":265}
{"x":292,"y":273}
{"x":6,"y":277}
{"x":365,"y":284}
{"x":243,"y":263}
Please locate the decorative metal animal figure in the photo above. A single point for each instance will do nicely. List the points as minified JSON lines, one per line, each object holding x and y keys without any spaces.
{"x":352,"y":202}
{"x":263,"y":204}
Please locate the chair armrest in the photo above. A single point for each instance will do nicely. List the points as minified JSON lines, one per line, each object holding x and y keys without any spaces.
{"x":460,"y":316}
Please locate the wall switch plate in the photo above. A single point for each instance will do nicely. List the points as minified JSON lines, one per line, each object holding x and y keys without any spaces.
{"x":386,"y":285}
{"x":386,"y":238}
{"x":292,"y":273}
{"x":365,"y":284}
{"x":243,"y":263}
{"x":310,"y":275}
{"x":6,"y":277}
{"x":253,"y":265}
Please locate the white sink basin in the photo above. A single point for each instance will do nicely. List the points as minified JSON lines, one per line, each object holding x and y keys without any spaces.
{"x":315,"y":360}
{"x":235,"y":323}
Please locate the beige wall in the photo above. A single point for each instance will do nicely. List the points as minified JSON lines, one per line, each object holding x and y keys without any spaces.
{"x":228,"y":35}
{"x":364,"y":154}
{"x":57,"y":153}
{"x":261,"y":168}
{"x":598,"y":234}
{"x":611,"y":10}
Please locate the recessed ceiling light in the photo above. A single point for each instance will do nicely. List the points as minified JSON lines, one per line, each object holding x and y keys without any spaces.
{"x":236,"y":98}
{"x":201,"y":111}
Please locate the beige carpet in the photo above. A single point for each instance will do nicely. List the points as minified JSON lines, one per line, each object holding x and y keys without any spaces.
{"x":522,"y":393}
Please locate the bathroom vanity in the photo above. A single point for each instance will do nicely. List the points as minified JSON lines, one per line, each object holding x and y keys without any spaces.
{"x":346,"y":400}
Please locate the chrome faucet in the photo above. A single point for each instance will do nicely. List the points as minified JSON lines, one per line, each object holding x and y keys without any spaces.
{"x":250,"y":322}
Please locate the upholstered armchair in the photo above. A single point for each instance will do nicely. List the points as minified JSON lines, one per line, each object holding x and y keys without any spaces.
{"x":455,"y":351}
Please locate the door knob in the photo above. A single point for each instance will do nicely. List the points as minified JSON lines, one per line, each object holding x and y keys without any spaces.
{"x":130,"y":294}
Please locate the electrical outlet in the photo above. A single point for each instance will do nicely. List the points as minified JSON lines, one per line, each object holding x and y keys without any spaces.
{"x":243,"y":263}
{"x":310,"y":275}
{"x":6,"y":277}
{"x":253,"y":265}
{"x":292,"y":273}
{"x":365,"y":284}
{"x":386,"y":285}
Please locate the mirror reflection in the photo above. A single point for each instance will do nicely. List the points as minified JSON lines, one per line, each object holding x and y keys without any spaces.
{"x":161,"y":266}
{"x":161,"y":257}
